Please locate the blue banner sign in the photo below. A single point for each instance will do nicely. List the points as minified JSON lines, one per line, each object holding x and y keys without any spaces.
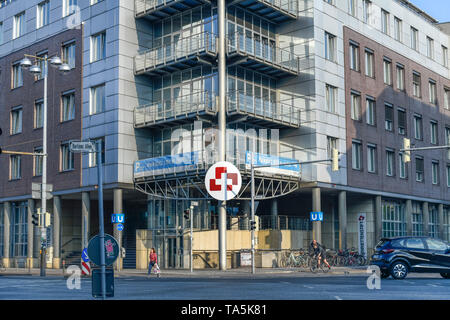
{"x":316,"y":216}
{"x":278,"y":165}
{"x":166,"y":164}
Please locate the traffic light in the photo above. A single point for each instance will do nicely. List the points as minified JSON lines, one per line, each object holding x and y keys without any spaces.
{"x":47,"y":219}
{"x":186,"y":214}
{"x":335,"y":159}
{"x":406,"y":151}
{"x":252,"y":225}
{"x":35,"y":219}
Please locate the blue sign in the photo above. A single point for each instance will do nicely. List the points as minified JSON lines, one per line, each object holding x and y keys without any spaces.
{"x":84,"y":255}
{"x":118,"y":218}
{"x":120,"y":227}
{"x":316,"y":216}
{"x":275,"y":164}
{"x":166,"y":164}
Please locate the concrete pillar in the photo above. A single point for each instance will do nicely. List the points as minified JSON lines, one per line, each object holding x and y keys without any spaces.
{"x":441,"y":221}
{"x":85,"y":218}
{"x":6,"y":233}
{"x":57,"y":232}
{"x":118,"y":208}
{"x":378,"y":219}
{"x":316,"y":225}
{"x":274,"y":214}
{"x":30,"y":240}
{"x":426,"y":219}
{"x":408,"y":218}
{"x":245,"y":210}
{"x":342,"y":204}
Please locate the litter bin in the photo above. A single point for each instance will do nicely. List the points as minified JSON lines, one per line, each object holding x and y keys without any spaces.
{"x":97,"y":282}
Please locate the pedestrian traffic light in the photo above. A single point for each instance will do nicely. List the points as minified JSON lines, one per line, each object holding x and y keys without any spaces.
{"x":335,"y":160}
{"x":252,"y":225}
{"x":406,"y":151}
{"x":186,"y":214}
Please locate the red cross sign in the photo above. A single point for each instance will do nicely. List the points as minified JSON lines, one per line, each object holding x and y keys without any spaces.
{"x":223,"y":181}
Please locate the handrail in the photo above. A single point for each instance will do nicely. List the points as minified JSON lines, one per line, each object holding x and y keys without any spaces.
{"x":290,"y":6}
{"x":143,"y":6}
{"x":240,"y":43}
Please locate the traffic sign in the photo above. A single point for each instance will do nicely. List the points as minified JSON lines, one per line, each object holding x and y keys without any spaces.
{"x":82,"y":146}
{"x":223,"y":181}
{"x":85,"y":268}
{"x":118,"y":218}
{"x":84,"y":255}
{"x":316,"y":216}
{"x":120,"y":227}
{"x":111,"y":250}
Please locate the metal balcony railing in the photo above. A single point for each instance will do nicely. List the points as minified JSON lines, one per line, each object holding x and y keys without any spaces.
{"x":181,"y":107}
{"x":263,"y":54}
{"x":262,"y":108}
{"x":275,"y":10}
{"x":282,"y":222}
{"x":167,"y":7}
{"x":176,"y":52}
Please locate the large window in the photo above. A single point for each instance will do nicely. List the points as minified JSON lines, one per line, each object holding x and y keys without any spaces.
{"x":446,"y":224}
{"x":447,"y":98}
{"x":98,"y":46}
{"x":19,"y":229}
{"x":417,"y":219}
{"x":390,"y":169}
{"x":353,"y":7}
{"x":355,"y":105}
{"x":332,"y":143}
{"x":330,"y":47}
{"x":354,"y":56}
{"x":43,"y":14}
{"x":43,"y":65}
{"x":389,"y":117}
{"x":367,"y":10}
{"x":393,"y":218}
{"x":433,"y":221}
{"x":98,"y":99}
{"x":419,"y":169}
{"x":331,"y":98}
{"x":370,"y":111}
{"x":67,"y":158}
{"x":402,"y":167}
{"x":356,"y":155}
{"x":19,"y":25}
{"x":68,"y":53}
{"x":15,"y":165}
{"x":387,"y":71}
{"x":369,"y":58}
{"x":445,"y":56}
{"x":371,"y":158}
{"x":69,"y":7}
{"x":16,"y":120}
{"x":432,"y":93}
{"x":68,"y":106}
{"x":17,"y":75}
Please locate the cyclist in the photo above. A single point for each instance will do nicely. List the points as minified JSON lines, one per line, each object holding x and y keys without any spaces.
{"x":319,"y":253}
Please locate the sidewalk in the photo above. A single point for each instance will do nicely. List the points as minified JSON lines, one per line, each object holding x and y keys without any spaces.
{"x":199,"y":273}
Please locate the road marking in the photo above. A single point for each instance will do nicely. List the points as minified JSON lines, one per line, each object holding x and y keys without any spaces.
{"x":309,"y":287}
{"x":338,"y":298}
{"x":433,"y":285}
{"x":410,"y":282}
{"x":285,"y":282}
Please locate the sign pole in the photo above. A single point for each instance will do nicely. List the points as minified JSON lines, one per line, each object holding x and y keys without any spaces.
{"x":253,"y":215}
{"x":100,"y":217}
{"x":191,"y":216}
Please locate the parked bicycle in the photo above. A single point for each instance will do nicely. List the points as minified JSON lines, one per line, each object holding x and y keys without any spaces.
{"x":300,"y":259}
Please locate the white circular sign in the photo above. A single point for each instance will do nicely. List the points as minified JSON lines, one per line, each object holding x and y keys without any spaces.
{"x":223,"y":181}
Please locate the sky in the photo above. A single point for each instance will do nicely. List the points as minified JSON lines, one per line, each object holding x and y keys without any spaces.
{"x":438,"y":9}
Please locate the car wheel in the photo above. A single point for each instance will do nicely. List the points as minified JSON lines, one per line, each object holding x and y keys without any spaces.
{"x":399,"y":270}
{"x":384,"y":274}
{"x":445,"y":275}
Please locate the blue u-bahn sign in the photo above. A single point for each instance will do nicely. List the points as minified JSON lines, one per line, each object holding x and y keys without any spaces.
{"x":316,"y":216}
{"x":118,"y":218}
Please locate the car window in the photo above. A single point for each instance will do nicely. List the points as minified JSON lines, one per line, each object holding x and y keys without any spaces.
{"x":434,"y":244}
{"x":399,"y":243}
{"x":382,"y":242}
{"x":414,"y":244}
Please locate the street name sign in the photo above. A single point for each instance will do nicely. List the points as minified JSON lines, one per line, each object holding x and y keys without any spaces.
{"x":82,"y":146}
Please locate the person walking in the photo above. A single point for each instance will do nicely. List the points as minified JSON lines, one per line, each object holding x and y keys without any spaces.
{"x":153,"y":261}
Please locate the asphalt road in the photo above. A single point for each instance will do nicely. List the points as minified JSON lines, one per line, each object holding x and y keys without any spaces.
{"x":262,"y":287}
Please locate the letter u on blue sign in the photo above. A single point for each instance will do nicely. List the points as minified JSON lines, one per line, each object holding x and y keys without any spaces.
{"x":316,"y":216}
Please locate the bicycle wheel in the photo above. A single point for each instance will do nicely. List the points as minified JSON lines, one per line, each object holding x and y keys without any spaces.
{"x":361,"y":260}
{"x":324,"y":267}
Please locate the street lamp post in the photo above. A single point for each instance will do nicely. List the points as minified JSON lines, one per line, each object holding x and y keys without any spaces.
{"x":35,"y":69}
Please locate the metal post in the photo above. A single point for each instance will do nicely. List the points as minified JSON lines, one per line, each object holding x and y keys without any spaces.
{"x":253,"y":216}
{"x":222,"y":129}
{"x":191,"y":216}
{"x":100,"y":216}
{"x":44,"y":179}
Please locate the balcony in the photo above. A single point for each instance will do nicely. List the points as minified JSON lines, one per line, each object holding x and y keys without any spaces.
{"x":252,"y":53}
{"x":176,"y":111}
{"x":178,"y":55}
{"x":160,"y":9}
{"x":277,"y":11}
{"x":262,"y":111}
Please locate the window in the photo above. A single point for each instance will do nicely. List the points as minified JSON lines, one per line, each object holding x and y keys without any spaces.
{"x":97,"y":99}
{"x":352,"y":8}
{"x":400,"y":77}
{"x":370,"y":71}
{"x":414,"y":39}
{"x":390,"y":163}
{"x":356,"y":155}
{"x":416,"y":84}
{"x":432,"y":91}
{"x":447,"y":140}
{"x":433,"y":221}
{"x":19,"y":25}
{"x":16,"y":120}
{"x":401,"y":166}
{"x":17,"y":75}
{"x":355,"y":106}
{"x":448,"y":175}
{"x":434,"y":132}
{"x":331,"y":144}
{"x":430,"y":48}
{"x":331,"y":98}
{"x":330,"y":47}
{"x":446,"y":98}
{"x":414,"y":244}
{"x":43,"y":14}
{"x":367,"y":7}
{"x":387,"y":68}
{"x":389,"y":117}
{"x":19,"y":229}
{"x":354,"y":56}
{"x":37,"y":170}
{"x":15,"y":167}
{"x":434,"y":244}
{"x":384,"y":21}
{"x":98,"y":46}
{"x":417,"y":219}
{"x":418,"y":127}
{"x":370,"y":111}
{"x":97,"y":1}
{"x":38,"y":114}
{"x":397,"y":29}
{"x":401,"y":121}
{"x":69,"y":7}
{"x":67,"y":158}
{"x":371,"y":158}
{"x":444,"y":56}
{"x":68,"y":54}
{"x":393,"y":218}
{"x":42,"y":63}
{"x":93,"y":161}
{"x":68,"y":106}
{"x":435,"y":172}
{"x":419,"y":169}
{"x":446,"y":224}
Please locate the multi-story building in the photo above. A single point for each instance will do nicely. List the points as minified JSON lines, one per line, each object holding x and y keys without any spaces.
{"x":302,"y":77}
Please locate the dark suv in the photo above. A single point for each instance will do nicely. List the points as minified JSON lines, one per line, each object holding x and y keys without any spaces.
{"x":400,"y":255}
